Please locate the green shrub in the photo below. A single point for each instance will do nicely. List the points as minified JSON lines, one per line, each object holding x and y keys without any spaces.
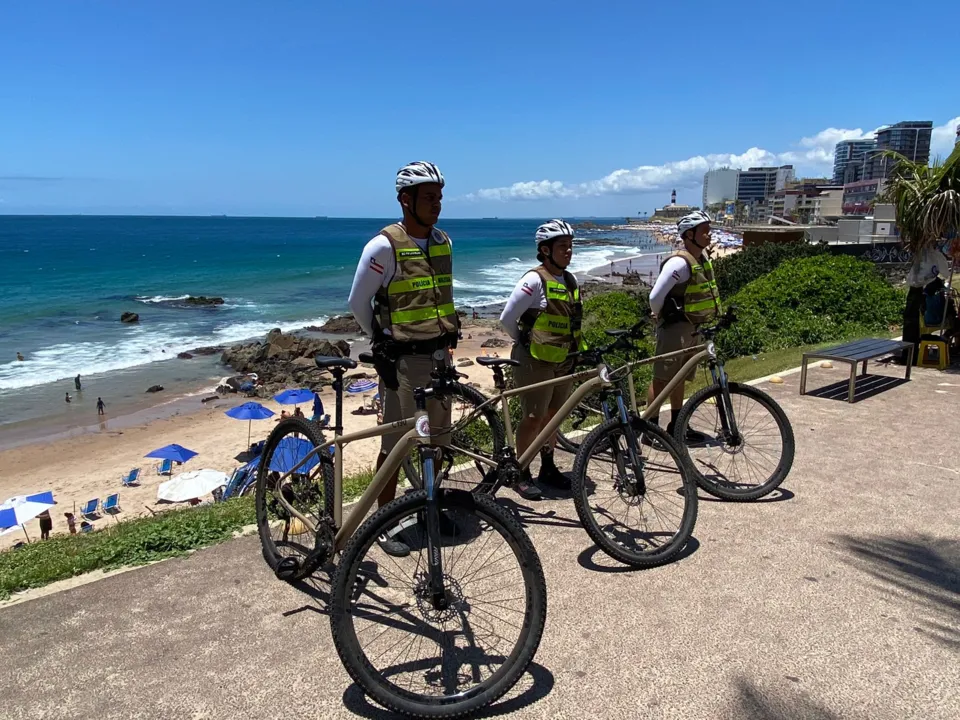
{"x":619,"y":310}
{"x":736,"y":271}
{"x":811,"y":300}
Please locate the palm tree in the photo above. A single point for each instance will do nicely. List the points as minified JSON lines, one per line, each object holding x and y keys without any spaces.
{"x":926,"y":198}
{"x":927,"y":202}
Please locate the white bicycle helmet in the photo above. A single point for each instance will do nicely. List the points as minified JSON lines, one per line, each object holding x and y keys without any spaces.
{"x":553,"y":229}
{"x":418,"y":173}
{"x":689,"y":222}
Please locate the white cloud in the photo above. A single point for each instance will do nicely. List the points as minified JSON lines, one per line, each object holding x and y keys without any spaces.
{"x":813,"y":155}
{"x":941,"y":143}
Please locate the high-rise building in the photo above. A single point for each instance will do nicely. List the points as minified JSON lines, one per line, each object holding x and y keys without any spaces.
{"x":848,"y":159}
{"x":909,"y":138}
{"x":719,"y":185}
{"x":759,"y":183}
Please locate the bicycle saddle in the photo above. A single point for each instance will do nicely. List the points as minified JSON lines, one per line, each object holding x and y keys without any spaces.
{"x":365,"y":357}
{"x":331,"y":361}
{"x":495,"y":362}
{"x":617,"y":333}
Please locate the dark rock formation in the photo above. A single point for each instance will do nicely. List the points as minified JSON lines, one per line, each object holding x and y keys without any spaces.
{"x":129,"y":317}
{"x":341,"y":324}
{"x":203,"y":300}
{"x":154,"y":388}
{"x":185,"y":356}
{"x":495,"y":342}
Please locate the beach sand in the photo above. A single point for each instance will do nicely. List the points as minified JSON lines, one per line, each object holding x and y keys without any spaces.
{"x":90,"y":465}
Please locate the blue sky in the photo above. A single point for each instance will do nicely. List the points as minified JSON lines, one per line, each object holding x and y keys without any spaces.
{"x":529,"y":108}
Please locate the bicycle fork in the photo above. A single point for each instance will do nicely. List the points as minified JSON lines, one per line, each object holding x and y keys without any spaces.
{"x":728,"y":421}
{"x":437,"y":592}
{"x":636,"y":485}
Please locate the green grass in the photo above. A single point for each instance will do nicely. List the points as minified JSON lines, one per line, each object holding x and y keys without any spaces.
{"x":136,"y":541}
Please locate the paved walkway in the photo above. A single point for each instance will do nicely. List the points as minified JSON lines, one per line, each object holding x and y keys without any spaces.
{"x":839,"y":598}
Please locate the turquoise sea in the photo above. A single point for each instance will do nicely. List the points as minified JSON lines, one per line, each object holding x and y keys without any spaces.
{"x":67,"y":279}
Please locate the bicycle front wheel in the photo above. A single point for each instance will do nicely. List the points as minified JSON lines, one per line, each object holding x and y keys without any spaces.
{"x":745,"y":466}
{"x":483,"y":435}
{"x":633,"y":493}
{"x":414,"y":658}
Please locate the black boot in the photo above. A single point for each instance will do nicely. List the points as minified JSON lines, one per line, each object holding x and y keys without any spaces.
{"x":525,"y":488}
{"x":550,"y":473}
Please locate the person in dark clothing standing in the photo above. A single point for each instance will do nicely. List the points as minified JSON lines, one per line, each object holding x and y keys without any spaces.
{"x":76,"y":382}
{"x":100,"y":406}
{"x":46,"y":524}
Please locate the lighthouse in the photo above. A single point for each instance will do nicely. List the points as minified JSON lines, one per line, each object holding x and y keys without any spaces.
{"x":673,"y":197}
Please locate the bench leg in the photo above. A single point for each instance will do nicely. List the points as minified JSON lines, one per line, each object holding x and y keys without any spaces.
{"x":864,"y":372}
{"x":803,"y":376}
{"x":853,"y":381}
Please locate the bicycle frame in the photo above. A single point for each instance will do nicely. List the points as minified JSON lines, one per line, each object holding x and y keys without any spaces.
{"x":415,"y":435}
{"x":592,"y":379}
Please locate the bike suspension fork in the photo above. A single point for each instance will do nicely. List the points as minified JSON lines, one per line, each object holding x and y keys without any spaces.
{"x":728,"y":421}
{"x":633,"y":456}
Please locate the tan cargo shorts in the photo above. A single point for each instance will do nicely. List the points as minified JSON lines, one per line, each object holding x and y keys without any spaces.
{"x":537,"y":403}
{"x":413,"y":371}
{"x":670,"y":338}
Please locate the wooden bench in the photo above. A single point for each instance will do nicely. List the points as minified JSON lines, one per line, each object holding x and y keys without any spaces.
{"x":854,"y":353}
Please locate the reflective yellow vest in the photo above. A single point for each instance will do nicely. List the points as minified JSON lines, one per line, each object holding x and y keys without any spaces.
{"x":699,"y":295}
{"x":417,"y":304}
{"x":554,"y":332}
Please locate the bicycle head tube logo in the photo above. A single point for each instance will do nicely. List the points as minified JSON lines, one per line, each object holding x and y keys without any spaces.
{"x":423,"y":426}
{"x":711,"y":349}
{"x":605,"y":373}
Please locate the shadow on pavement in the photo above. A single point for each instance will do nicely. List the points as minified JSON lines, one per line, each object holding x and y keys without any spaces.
{"x":778,"y":495}
{"x":317,"y":587}
{"x":593,"y":558}
{"x":867,"y":387}
{"x":925,"y":569}
{"x":535,"y":685}
{"x":786,"y":703}
{"x":528,"y":515}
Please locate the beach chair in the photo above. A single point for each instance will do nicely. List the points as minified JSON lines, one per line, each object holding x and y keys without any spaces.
{"x":131,"y":478}
{"x":256,"y":448}
{"x":86,"y":528}
{"x":165,"y":468}
{"x":89,"y":508}
{"x":112,"y":504}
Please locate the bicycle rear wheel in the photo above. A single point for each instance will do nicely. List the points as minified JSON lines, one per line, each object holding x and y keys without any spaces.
{"x":742,"y":468}
{"x":483,"y":435}
{"x":309,"y":491}
{"x":418,"y":660}
{"x":640,"y":514}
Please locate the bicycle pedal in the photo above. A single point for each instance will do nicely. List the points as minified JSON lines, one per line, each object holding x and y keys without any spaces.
{"x":287,"y":569}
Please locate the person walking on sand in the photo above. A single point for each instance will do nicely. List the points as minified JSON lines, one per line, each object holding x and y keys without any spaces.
{"x":543,"y":316}
{"x":100,"y":406}
{"x":683,"y":297}
{"x":71,"y":523}
{"x":46,"y":524}
{"x":402,"y":297}
{"x":76,"y":383}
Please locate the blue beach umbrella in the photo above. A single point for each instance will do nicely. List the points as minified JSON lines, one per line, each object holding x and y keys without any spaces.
{"x":294,"y":397}
{"x":249,"y":411}
{"x":174,"y":452}
{"x":361,"y":386}
{"x":289,"y":452}
{"x":23,"y":508}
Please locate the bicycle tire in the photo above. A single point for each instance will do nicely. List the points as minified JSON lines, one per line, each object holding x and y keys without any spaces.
{"x":728,"y":491}
{"x":474,"y":398}
{"x":347,"y":583}
{"x":570,"y":442}
{"x":598,"y":441}
{"x":268,"y":546}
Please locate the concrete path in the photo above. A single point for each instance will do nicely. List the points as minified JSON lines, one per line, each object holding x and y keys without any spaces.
{"x":837,"y":598}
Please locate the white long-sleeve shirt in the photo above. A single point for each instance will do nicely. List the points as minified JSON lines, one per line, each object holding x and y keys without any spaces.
{"x":528,"y":293}
{"x":376,"y":268}
{"x":675,"y":272}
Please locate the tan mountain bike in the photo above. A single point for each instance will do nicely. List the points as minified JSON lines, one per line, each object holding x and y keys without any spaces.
{"x":440,"y":633}
{"x":640,"y":502}
{"x":743,"y":444}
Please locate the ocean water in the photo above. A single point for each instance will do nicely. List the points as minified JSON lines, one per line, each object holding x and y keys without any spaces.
{"x":67,"y":279}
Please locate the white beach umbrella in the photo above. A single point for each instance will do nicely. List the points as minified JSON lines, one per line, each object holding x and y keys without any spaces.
{"x":193,"y":484}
